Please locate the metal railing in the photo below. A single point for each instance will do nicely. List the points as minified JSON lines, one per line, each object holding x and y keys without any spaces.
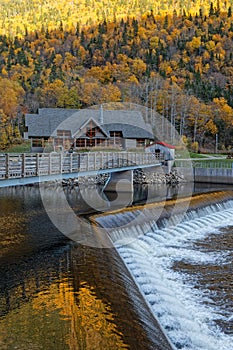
{"x":39,"y":164}
{"x":204,"y":164}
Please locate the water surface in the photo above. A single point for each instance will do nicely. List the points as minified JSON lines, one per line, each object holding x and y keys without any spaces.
{"x":58,"y":294}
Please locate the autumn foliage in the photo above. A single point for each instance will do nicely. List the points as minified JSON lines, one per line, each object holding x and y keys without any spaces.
{"x":177,"y":62}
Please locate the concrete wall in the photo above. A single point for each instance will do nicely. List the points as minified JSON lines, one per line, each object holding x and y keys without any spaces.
{"x":221,"y":176}
{"x":208,"y":175}
{"x":121,"y":181}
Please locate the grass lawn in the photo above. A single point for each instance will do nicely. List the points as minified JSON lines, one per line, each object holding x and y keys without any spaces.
{"x":204,"y":160}
{"x":182,"y":154}
{"x":24,"y":147}
{"x":206,"y":163}
{"x":217,"y":160}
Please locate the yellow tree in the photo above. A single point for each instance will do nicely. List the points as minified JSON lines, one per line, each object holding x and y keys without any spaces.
{"x":11,"y":96}
{"x":3,"y":135}
{"x":57,"y":94}
{"x":138,"y":67}
{"x":223,"y":115}
{"x":92,"y":92}
{"x":201,"y":120}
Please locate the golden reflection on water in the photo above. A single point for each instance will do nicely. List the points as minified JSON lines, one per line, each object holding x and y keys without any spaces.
{"x":59,"y":318}
{"x":11,"y":232}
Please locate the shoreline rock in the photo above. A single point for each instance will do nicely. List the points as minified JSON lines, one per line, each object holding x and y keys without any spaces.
{"x":139,"y":177}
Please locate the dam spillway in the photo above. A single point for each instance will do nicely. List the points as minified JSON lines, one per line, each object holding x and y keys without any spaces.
{"x":182,"y":266}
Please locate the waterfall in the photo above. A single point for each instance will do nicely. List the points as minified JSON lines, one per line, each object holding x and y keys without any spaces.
{"x":149,"y":251}
{"x":133,"y":222}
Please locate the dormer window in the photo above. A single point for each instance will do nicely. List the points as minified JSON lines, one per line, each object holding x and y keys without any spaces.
{"x":63,"y":133}
{"x":115,"y":134}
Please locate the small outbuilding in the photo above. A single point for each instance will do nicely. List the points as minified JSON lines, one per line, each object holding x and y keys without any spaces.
{"x":163,"y":150}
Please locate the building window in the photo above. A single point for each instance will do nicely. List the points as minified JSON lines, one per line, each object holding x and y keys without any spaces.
{"x":80,"y":143}
{"x":140,"y":142}
{"x":37,"y":143}
{"x":115,"y":133}
{"x":91,"y":133}
{"x":90,"y":143}
{"x":63,"y":133}
{"x":92,"y":129}
{"x":100,"y":142}
{"x":157,"y":153}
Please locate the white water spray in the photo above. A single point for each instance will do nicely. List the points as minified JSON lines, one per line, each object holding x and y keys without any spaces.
{"x":179,"y":307}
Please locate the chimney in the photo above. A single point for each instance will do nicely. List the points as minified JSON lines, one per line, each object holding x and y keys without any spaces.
{"x":101,"y":115}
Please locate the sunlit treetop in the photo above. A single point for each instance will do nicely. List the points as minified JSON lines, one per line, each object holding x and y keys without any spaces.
{"x":20,"y":16}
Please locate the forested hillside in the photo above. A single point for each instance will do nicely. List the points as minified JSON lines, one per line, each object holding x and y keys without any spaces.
{"x":20,"y":16}
{"x":179,"y":64}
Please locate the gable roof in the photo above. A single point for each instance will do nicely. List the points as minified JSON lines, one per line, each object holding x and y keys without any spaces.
{"x":85,"y":124}
{"x":48,"y":120}
{"x":164,"y":144}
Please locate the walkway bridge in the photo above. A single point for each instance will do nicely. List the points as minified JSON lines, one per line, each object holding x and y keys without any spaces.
{"x":29,"y":168}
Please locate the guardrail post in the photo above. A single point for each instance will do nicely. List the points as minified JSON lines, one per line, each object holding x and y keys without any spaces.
{"x":37,"y":164}
{"x":60,"y":164}
{"x":23,"y":165}
{"x":87,"y":167}
{"x":7,"y":166}
{"x":112,"y":160}
{"x":49,"y":164}
{"x":71,"y":162}
{"x":101,"y":160}
{"x":94,"y":161}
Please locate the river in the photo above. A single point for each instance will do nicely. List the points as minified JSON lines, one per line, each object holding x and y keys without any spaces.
{"x":58,"y":294}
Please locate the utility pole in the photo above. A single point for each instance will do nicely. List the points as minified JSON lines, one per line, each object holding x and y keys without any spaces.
{"x":216,"y":143}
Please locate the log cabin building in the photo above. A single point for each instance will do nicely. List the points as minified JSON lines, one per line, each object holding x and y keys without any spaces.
{"x":64,"y":129}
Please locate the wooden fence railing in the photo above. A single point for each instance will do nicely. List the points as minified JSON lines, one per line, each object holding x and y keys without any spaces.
{"x":39,"y":164}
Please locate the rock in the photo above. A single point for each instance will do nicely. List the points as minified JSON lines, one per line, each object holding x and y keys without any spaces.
{"x":141,"y":177}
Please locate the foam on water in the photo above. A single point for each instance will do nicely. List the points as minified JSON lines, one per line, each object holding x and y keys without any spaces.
{"x":179,"y":307}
